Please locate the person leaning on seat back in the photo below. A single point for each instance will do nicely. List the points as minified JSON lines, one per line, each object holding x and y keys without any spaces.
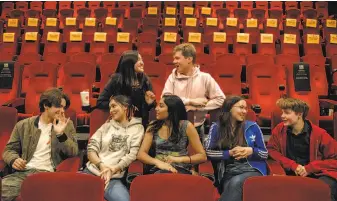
{"x":302,"y":148}
{"x":130,"y":80}
{"x":169,"y":136}
{"x":114,"y":146}
{"x":39,"y":143}
{"x":198,"y":90}
{"x":236,"y":145}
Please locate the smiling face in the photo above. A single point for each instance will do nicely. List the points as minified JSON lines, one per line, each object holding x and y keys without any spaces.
{"x":139,"y":65}
{"x":162,"y":110}
{"x":117,"y":111}
{"x":290,"y":117}
{"x":182,"y":64}
{"x":55,"y":112}
{"x":239,"y":110}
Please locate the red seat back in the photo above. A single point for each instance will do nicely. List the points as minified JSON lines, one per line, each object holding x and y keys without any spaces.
{"x":167,"y":187}
{"x":62,"y":186}
{"x":42,"y":76}
{"x":8,"y":119}
{"x":78,"y":76}
{"x":300,"y":188}
{"x":97,"y":119}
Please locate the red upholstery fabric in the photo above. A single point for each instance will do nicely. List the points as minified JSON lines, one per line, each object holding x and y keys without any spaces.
{"x":318,"y":74}
{"x":312,"y":49}
{"x":266,"y":48}
{"x":147,"y":44}
{"x":107,"y":70}
{"x":69,"y":165}
{"x":229,"y":76}
{"x":259,"y":58}
{"x":78,"y":76}
{"x":168,"y":187}
{"x":62,"y":186}
{"x":8,"y":119}
{"x":75,"y":47}
{"x":157,"y":73}
{"x":42,"y":76}
{"x":264,"y":87}
{"x":310,"y":97}
{"x":51,"y":46}
{"x":97,"y":119}
{"x":242,"y":49}
{"x":280,"y":188}
{"x":84,"y":57}
{"x":286,"y":48}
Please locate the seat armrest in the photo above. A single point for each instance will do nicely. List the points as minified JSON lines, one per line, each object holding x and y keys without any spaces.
{"x":69,"y":165}
{"x":206,"y":170}
{"x":256,"y":108}
{"x":282,"y":87}
{"x":274,"y":168}
{"x":327,"y":103}
{"x":135,"y":170}
{"x":17,"y":102}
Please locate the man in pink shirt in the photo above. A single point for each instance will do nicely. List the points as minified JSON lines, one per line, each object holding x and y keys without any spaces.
{"x":198,"y":90}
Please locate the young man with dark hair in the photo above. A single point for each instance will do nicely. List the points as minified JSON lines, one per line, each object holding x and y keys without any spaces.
{"x":198,"y":90}
{"x":302,"y":148}
{"x":39,"y":143}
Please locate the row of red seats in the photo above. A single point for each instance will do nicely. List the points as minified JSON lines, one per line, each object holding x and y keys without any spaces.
{"x":150,"y":25}
{"x":310,"y":23}
{"x":219,"y":12}
{"x":167,"y":187}
{"x":217,"y":44}
{"x":320,"y":7}
{"x":183,"y":186}
{"x":228,"y":4}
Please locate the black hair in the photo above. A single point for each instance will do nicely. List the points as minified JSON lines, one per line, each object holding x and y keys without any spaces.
{"x":176,"y":112}
{"x":126,"y":68}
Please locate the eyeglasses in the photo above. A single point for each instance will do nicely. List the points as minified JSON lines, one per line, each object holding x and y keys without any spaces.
{"x":242,"y":107}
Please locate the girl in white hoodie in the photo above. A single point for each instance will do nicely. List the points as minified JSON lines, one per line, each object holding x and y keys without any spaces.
{"x":114,"y":146}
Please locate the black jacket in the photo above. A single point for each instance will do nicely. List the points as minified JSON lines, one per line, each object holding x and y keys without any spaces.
{"x":114,"y":88}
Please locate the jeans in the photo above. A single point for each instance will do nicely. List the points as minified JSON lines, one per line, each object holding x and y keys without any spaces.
{"x":232,"y":187}
{"x":116,"y":191}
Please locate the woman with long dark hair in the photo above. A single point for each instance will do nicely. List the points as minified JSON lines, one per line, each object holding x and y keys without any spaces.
{"x":130,"y":80}
{"x":114,"y":146}
{"x":236,"y":147}
{"x":169,"y":137}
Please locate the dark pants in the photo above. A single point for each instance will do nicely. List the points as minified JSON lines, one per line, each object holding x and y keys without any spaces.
{"x":233,"y":186}
{"x":332,"y":184}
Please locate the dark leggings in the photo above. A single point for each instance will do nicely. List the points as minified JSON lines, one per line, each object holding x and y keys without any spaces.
{"x":232,"y":187}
